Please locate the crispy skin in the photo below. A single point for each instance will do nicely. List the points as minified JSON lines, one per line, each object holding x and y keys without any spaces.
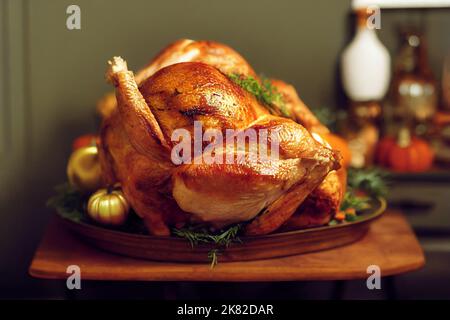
{"x":327,"y":198}
{"x":321,"y":204}
{"x":213,"y":53}
{"x":222,"y":57}
{"x":135,"y":150}
{"x":238,"y":192}
{"x":298,"y":109}
{"x":183,"y":93}
{"x":143,"y":178}
{"x":324,"y":201}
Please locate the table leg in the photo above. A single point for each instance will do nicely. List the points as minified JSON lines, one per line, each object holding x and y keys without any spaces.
{"x":170,"y":291}
{"x":391,"y":289}
{"x":337,"y":292}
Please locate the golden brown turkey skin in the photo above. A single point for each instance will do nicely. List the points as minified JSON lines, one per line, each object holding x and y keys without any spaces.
{"x":136,"y":146}
{"x":324,"y":202}
{"x":321,"y":205}
{"x":222,"y":57}
{"x":228,"y":61}
{"x":144,"y":179}
{"x":298,"y":109}
{"x":188,"y":92}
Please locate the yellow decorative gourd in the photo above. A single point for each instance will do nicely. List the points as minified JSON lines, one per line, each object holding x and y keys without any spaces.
{"x":108,"y":207}
{"x":83,"y":169}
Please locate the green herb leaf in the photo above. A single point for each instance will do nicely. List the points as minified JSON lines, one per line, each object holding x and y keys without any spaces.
{"x":333,"y":222}
{"x":227,"y":237}
{"x":221,"y":239}
{"x":197,"y":235}
{"x":373,"y":181}
{"x":356,"y":202}
{"x":264,"y":91}
{"x":68,"y":202}
{"x":351,"y":217}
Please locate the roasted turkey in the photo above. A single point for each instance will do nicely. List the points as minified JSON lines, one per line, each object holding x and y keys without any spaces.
{"x":188,"y":82}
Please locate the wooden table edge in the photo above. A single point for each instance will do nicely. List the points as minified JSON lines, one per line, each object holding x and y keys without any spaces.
{"x":220,"y":275}
{"x":226,"y":277}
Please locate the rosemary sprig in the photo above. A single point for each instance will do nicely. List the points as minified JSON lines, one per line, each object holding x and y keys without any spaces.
{"x":213,"y":257}
{"x":227,"y":237}
{"x":264,"y":91}
{"x":221,"y":240}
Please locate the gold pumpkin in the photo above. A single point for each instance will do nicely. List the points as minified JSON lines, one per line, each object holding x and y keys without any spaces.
{"x":108,"y":206}
{"x":83,"y":169}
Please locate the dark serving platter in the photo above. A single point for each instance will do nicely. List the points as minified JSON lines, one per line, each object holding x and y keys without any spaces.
{"x":249,"y":248}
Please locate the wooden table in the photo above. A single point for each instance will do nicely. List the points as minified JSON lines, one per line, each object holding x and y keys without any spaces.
{"x":390,"y":244}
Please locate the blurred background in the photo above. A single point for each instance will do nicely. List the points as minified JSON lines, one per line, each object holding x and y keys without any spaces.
{"x":52,"y":77}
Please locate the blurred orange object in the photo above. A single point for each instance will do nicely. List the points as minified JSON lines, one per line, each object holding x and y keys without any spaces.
{"x":441,"y":118}
{"x":405,"y":154}
{"x":340,"y":144}
{"x":340,"y":216}
{"x":85,"y":140}
{"x":383,"y":149}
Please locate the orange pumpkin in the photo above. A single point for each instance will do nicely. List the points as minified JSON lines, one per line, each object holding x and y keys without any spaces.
{"x":338,"y":143}
{"x":406,"y":154}
{"x":383,"y":150}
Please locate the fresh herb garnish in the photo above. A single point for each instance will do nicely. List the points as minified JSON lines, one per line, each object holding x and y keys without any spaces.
{"x":221,"y":239}
{"x":363,"y":184}
{"x":264,"y":91}
{"x":212,"y":256}
{"x":68,"y":202}
{"x":350,"y":207}
{"x":333,"y":222}
{"x":351,"y":217}
{"x":355,"y":202}
{"x":371,"y":181}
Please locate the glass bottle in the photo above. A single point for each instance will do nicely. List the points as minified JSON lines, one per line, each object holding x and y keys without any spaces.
{"x":414,"y":89}
{"x":365,"y":71}
{"x":365,"y":63}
